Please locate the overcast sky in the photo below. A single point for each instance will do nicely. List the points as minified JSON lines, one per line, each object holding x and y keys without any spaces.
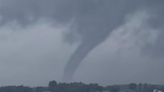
{"x":38,"y":37}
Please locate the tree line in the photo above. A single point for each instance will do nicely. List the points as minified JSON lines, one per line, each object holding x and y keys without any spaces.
{"x":53,"y":86}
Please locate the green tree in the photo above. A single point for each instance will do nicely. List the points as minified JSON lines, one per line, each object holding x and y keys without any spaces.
{"x":52,"y":86}
{"x":151,"y":88}
{"x":132,"y":86}
{"x":145,"y":89}
{"x":107,"y":88}
{"x":94,"y":87}
{"x":162,"y":89}
{"x":40,"y":89}
{"x":140,"y":87}
{"x":114,"y":89}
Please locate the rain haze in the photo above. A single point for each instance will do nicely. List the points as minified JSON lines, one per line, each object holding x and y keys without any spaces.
{"x":92,"y":41}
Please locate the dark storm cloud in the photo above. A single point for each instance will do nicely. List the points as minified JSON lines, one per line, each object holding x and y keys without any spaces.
{"x":94,"y":19}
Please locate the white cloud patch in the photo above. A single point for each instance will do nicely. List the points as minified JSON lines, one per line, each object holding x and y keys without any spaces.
{"x":32,"y":56}
{"x":119,"y":59}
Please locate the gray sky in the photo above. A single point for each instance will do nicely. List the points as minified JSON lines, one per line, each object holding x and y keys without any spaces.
{"x":39,"y":36}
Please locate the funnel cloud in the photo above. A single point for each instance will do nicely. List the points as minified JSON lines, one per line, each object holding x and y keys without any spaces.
{"x":93,"y":21}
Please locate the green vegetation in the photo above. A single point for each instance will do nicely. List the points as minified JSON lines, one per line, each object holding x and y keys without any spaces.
{"x":53,"y":86}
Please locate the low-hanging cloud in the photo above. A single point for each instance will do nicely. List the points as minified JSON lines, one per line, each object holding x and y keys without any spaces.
{"x":93,"y":21}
